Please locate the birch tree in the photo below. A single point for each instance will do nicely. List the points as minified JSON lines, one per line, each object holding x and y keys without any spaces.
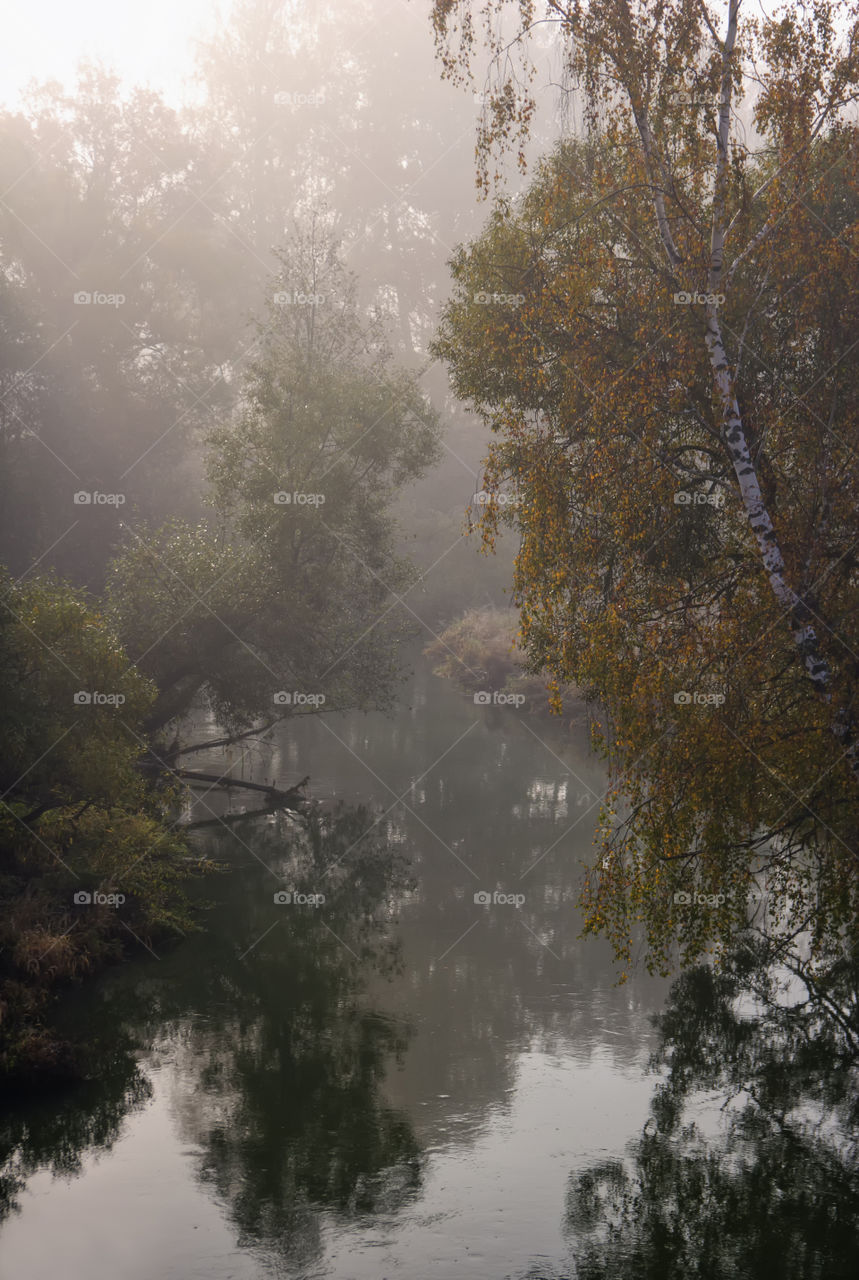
{"x":671,"y":308}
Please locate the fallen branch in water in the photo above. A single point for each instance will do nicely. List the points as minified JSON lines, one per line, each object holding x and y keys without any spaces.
{"x":292,"y":798}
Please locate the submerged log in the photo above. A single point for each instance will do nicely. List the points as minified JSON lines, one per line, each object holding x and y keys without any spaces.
{"x":291,"y":798}
{"x":228,"y":819}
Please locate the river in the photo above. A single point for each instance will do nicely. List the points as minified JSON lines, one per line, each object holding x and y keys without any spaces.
{"x":402,"y":1080}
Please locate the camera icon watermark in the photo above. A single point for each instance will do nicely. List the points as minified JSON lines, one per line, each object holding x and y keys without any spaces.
{"x":685,"y":699}
{"x":684,"y":299}
{"x":288,"y":98}
{"x":93,"y":698}
{"x":684,"y":899}
{"x":85,"y":899}
{"x":295,"y":298}
{"x":695,"y":98}
{"x":694,"y":95}
{"x":683,"y":498}
{"x":483,"y":898}
{"x":483,"y":498}
{"x":83,"y":298}
{"x":482,"y":298}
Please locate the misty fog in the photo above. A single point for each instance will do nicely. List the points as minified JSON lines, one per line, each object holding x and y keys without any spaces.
{"x":429,"y":458}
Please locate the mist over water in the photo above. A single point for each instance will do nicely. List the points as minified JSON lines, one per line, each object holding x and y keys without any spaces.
{"x":421,"y":1106}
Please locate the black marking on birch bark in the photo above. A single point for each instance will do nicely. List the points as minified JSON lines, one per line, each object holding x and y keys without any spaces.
{"x":805,"y":639}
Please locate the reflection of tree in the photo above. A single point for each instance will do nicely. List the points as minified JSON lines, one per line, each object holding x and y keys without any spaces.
{"x":46,"y":1134}
{"x":280,"y":1073}
{"x":278,"y":1066}
{"x":294,"y":1123}
{"x":778,"y":1194}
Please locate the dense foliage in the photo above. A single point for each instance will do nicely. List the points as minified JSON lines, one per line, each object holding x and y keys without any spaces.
{"x":660,"y":334}
{"x":480,"y":653}
{"x":87,"y":861}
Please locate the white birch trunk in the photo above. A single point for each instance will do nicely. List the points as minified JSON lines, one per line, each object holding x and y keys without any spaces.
{"x":796,"y":610}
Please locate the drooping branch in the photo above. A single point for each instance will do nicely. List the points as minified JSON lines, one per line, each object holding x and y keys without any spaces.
{"x":173,"y":701}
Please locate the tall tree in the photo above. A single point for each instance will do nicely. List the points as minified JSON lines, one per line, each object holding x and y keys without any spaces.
{"x":313,"y":103}
{"x":661,"y":338}
{"x":293,"y":588}
{"x":111,"y":257}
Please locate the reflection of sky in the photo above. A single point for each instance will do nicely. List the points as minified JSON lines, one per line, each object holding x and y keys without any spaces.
{"x":523,"y":1061}
{"x":494,"y":1206}
{"x":137,"y":1213}
{"x":488,"y":1206}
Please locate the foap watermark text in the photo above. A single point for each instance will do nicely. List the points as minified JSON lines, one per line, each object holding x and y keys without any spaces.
{"x":483,"y":898}
{"x":284,"y":698}
{"x":497,"y":698}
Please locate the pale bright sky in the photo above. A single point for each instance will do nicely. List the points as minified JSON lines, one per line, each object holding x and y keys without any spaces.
{"x":145,"y":41}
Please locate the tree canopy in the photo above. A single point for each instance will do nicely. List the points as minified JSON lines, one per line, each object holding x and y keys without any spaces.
{"x":659,"y":334}
{"x":292,"y":586}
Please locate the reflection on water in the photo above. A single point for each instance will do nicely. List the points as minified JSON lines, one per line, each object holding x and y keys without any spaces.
{"x":776,"y":1191}
{"x":399,"y":1080}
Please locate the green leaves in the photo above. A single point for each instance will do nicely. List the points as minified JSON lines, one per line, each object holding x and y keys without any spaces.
{"x":69,"y":725}
{"x":637,"y":578}
{"x":79,"y":831}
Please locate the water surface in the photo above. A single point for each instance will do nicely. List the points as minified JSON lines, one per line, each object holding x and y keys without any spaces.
{"x":398,"y":1082}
